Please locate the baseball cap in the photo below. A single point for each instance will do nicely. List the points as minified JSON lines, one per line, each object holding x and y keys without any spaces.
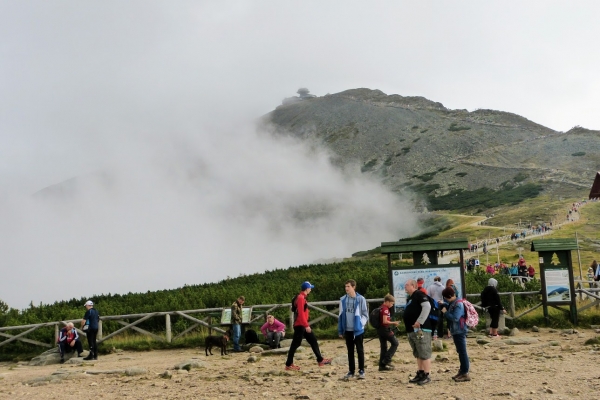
{"x":88,"y":303}
{"x":307,"y":285}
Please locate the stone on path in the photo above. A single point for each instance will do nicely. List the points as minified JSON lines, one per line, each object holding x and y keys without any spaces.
{"x":256,"y":349}
{"x":189,"y":364}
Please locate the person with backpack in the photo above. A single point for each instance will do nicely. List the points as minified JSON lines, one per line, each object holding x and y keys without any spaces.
{"x":89,"y":324}
{"x":454,"y":311}
{"x":418,"y":329}
{"x":302,"y":329}
{"x":490,"y":300}
{"x":435,"y":292}
{"x":385,"y":333}
{"x":352,"y":320}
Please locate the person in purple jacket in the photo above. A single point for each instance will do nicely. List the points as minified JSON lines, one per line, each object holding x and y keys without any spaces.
{"x":273,"y":330}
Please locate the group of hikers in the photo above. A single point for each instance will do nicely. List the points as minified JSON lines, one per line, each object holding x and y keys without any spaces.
{"x":421,"y":329}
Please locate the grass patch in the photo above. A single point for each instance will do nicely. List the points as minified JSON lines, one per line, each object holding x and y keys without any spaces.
{"x":454,"y":127}
{"x":520,"y":177}
{"x":426,"y":177}
{"x":460,"y":199}
{"x":369,"y":165}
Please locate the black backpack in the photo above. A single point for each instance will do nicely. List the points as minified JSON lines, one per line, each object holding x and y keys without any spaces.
{"x":434,"y":313}
{"x":251,"y":336}
{"x":375,"y":317}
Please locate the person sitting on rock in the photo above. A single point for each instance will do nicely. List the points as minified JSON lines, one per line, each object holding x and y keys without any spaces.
{"x":273,"y":330}
{"x":68,"y":339}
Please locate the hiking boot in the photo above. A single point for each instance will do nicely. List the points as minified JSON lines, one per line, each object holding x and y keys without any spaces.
{"x":325,"y":361}
{"x":361,"y":374}
{"x":463,"y":378}
{"x":386,"y":367}
{"x":348,"y":376}
{"x":79,"y":354}
{"x":62,"y":360}
{"x":89,"y":357}
{"x":417,"y":377}
{"x":424,"y":381}
{"x":456,"y":376}
{"x":292,"y":368}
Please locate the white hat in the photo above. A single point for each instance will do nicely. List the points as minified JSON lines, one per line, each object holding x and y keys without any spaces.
{"x":89,"y":303}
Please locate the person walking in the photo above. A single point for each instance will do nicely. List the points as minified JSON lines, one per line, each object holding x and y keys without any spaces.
{"x":418,"y":330}
{"x":352,"y":320}
{"x":490,"y":300}
{"x":303,"y":330}
{"x":454,"y":311}
{"x":236,"y":322}
{"x":273,"y":330}
{"x":385,"y":333}
{"x":90,"y":324}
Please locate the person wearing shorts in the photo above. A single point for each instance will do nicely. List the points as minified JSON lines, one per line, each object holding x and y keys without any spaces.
{"x":418,"y":330}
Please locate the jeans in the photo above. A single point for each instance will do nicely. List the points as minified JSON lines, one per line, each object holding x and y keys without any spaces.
{"x":351,"y":342}
{"x":273,"y":339}
{"x":299,"y":334}
{"x":460,"y":342}
{"x":237,"y":334}
{"x":385,"y":355}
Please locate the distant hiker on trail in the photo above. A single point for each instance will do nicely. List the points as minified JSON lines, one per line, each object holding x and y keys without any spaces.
{"x":302,"y":329}
{"x":273,"y":330}
{"x":89,"y":324}
{"x":354,"y":315}
{"x":385,"y":334}
{"x":236,"y":322}
{"x":68,"y":340}
{"x":531,"y":271}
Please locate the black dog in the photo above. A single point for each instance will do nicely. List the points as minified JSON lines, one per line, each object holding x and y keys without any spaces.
{"x":217,"y":341}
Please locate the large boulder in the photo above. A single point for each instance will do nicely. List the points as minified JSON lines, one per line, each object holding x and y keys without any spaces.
{"x":52,"y":356}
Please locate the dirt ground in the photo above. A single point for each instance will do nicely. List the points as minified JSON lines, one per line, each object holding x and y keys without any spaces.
{"x":557,"y":365}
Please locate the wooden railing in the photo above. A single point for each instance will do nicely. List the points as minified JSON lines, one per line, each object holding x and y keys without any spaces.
{"x":205,"y":319}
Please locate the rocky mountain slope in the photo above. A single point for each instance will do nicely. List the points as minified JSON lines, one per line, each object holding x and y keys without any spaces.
{"x":412,"y":142}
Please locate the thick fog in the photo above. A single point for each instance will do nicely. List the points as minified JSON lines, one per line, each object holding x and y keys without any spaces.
{"x":138,"y":118}
{"x":191,"y":209}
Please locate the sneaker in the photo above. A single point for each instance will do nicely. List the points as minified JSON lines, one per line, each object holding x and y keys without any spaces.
{"x":62,"y":360}
{"x":417,"y":377}
{"x":386,"y":367}
{"x":456,"y":376}
{"x":292,"y":368}
{"x":425,"y":380}
{"x":88,"y":358}
{"x":463,"y":378}
{"x":348,"y":376}
{"x":361,"y":374}
{"x":325,"y":361}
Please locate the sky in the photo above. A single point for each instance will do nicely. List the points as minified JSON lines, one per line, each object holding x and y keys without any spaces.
{"x":152,"y":105}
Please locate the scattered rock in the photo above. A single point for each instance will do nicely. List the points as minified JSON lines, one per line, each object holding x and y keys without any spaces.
{"x":256,"y":349}
{"x":513,"y":332}
{"x":166,"y":375}
{"x":535,"y":329}
{"x":189,"y":364}
{"x":133,"y":371}
{"x":252,"y":359}
{"x":340,"y":360}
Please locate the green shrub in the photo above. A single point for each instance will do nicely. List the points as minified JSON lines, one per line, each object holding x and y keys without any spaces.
{"x":578,"y":154}
{"x":454,"y":127}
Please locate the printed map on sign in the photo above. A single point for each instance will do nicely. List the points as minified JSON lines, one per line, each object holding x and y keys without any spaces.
{"x":400,"y":276}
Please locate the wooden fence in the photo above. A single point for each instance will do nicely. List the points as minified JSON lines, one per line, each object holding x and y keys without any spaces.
{"x":204,"y":320}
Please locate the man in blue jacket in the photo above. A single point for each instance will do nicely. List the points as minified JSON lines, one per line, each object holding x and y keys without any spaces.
{"x":353,"y":318}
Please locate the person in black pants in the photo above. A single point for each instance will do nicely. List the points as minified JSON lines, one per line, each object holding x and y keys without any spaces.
{"x":89,"y":324}
{"x":68,"y":340}
{"x":353,"y":318}
{"x":386,"y":334}
{"x":490,"y":299}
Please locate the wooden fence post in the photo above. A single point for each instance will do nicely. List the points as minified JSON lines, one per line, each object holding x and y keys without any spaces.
{"x":56,"y":333}
{"x":99,"y":329}
{"x":168,"y":327}
{"x":512,"y":304}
